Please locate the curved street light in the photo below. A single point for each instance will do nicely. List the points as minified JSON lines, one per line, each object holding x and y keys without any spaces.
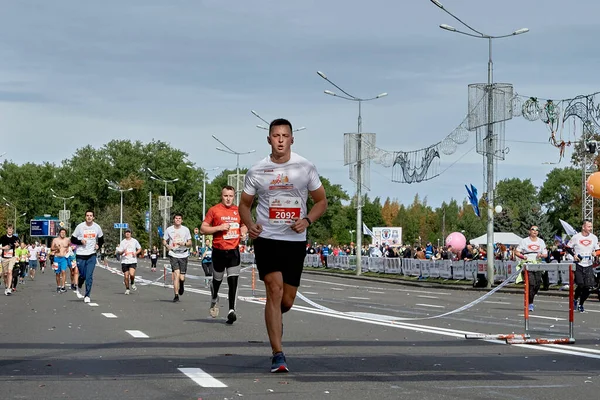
{"x":266,"y":128}
{"x":156,"y":177}
{"x":360,"y":100}
{"x":117,"y":188}
{"x":228,"y":150}
{"x":489,"y":153}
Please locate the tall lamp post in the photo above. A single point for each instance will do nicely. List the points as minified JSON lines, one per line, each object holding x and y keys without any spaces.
{"x":228,"y":150}
{"x":204,"y":193}
{"x":64,"y":199}
{"x":117,"y":188}
{"x":490,"y":138}
{"x":359,"y":183}
{"x":9,"y":204}
{"x":156,"y":177}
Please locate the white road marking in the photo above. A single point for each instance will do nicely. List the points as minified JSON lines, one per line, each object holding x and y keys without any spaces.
{"x":93,"y":304}
{"x":359,"y":298}
{"x":138,"y":334}
{"x":202,"y":378}
{"x":587,"y":310}
{"x":373,"y":291}
{"x":378,"y":317}
{"x":376,"y":288}
{"x":427,"y":297}
{"x":497,"y":302}
{"x":429,"y":305}
{"x":338,"y":289}
{"x":313,"y":293}
{"x":542,"y":317}
{"x":109,"y":315}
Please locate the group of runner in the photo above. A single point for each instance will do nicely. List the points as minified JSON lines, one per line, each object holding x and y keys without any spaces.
{"x":282,"y":182}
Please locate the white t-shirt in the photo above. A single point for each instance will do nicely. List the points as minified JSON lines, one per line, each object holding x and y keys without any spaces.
{"x":531,"y":249}
{"x":129,"y":248}
{"x":282,"y":191}
{"x":584,"y":247}
{"x":33,"y":252}
{"x":91,"y":235}
{"x":179,"y":238}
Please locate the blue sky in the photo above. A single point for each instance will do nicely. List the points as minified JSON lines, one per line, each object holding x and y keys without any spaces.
{"x":75,"y":73}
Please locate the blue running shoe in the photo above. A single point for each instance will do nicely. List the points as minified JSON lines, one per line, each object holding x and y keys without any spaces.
{"x":574,"y":304}
{"x":531,"y":307}
{"x":278,"y":363}
{"x":581,"y":308}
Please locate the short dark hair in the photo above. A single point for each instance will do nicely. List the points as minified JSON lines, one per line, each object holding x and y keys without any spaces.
{"x":280,"y":122}
{"x":9,"y":226}
{"x":90,"y":211}
{"x":61,"y":229}
{"x":177,"y":215}
{"x":228,"y":187}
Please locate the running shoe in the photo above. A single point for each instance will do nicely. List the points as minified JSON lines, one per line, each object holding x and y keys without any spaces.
{"x":87,"y":299}
{"x":73,"y":287}
{"x":62,"y":290}
{"x":214,"y":309}
{"x":581,"y":309}
{"x":575,"y":304}
{"x":127,"y":291}
{"x":181,"y":287}
{"x":133,"y":287}
{"x":531,"y":307}
{"x":7,"y":292}
{"x":278,"y":363}
{"x":176,"y":298}
{"x":231,"y":317}
{"x":78,"y":293}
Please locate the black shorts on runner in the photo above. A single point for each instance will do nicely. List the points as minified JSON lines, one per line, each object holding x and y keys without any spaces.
{"x":282,"y":256}
{"x":584,"y":276}
{"x":223,"y":259}
{"x":178,"y":264}
{"x":125,"y":267}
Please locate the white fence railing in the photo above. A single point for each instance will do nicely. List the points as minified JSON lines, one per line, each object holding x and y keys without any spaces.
{"x":445,"y":269}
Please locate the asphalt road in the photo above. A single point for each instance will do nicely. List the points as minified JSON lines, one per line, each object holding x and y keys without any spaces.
{"x":348,"y":340}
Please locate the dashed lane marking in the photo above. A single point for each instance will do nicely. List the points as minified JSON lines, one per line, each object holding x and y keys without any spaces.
{"x":430,"y":305}
{"x":109,"y":315}
{"x":138,"y":334}
{"x":202,"y":378}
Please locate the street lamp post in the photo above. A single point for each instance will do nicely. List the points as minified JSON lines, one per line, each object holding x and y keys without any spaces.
{"x":9,"y":204}
{"x":204,"y":193}
{"x":117,"y":188}
{"x":228,"y":150}
{"x":489,"y":140}
{"x":359,"y":183}
{"x":64,"y":199}
{"x":156,"y":177}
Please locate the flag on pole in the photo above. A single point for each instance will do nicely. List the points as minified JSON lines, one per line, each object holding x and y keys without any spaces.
{"x":367,"y":231}
{"x":568,"y":228}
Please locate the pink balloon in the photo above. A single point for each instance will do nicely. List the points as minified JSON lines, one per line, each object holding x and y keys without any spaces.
{"x":457,"y":241}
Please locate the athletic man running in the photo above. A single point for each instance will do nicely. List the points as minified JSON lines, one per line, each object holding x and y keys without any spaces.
{"x":224,"y":223}
{"x":9,"y":259}
{"x":42,"y":257}
{"x":20,"y":266}
{"x":532,"y":248}
{"x":583,"y":247}
{"x":153,"y":258}
{"x":282,"y":182}
{"x":89,"y":238}
{"x":60,"y":249}
{"x":129,"y":249}
{"x":206,"y":257}
{"x":178,"y":240}
{"x":34,"y":249}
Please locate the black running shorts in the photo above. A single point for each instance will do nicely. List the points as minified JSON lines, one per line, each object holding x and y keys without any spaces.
{"x":223,"y":259}
{"x":125,"y":267}
{"x":584,"y":276}
{"x":282,"y":256}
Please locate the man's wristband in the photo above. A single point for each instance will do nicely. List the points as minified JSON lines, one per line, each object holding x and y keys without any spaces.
{"x":308,"y":220}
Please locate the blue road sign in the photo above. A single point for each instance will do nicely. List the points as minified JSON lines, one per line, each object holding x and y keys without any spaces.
{"x":124,"y":225}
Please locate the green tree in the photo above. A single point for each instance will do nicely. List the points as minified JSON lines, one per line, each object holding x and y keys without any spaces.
{"x":560,"y":196}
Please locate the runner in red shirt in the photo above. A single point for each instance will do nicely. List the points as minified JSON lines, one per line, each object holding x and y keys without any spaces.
{"x":224,"y":223}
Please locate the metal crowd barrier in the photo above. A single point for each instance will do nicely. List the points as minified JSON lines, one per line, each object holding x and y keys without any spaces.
{"x":425,"y":269}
